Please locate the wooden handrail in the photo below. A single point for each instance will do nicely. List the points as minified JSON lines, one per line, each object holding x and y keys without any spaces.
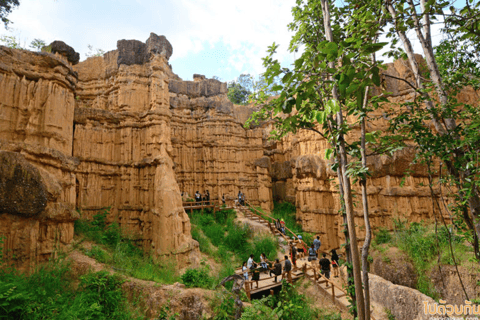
{"x":273,"y":219}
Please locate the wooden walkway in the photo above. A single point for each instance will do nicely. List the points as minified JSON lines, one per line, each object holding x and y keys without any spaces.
{"x":304,"y":268}
{"x":198,"y":205}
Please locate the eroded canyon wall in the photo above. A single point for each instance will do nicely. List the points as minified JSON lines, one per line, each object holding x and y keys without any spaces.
{"x":122,"y":138}
{"x":37,"y":178}
{"x":211,"y":149}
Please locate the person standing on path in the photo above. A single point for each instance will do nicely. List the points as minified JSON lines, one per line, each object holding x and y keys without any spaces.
{"x":282,"y":226}
{"x":293,"y":253}
{"x":325,"y":266}
{"x":276,"y":270}
{"x":287,"y":269}
{"x":335,"y":263}
{"x":312,"y":257}
{"x":317,"y":244}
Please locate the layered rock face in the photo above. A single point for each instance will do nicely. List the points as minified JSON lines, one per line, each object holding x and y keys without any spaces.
{"x":123,"y":141}
{"x":300,"y":174}
{"x":211,"y":149}
{"x":37,"y":179}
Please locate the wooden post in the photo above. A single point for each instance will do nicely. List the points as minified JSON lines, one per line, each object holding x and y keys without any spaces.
{"x":314,"y":274}
{"x":272,"y":292}
{"x":247,"y":289}
{"x":333,"y":293}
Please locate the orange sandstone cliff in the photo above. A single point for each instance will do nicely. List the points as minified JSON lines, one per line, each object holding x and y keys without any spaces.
{"x":123,"y":131}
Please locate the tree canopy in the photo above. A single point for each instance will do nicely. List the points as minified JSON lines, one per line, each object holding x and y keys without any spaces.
{"x":328,"y":90}
{"x":6,"y":7}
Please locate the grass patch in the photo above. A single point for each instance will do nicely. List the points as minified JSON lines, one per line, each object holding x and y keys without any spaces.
{"x":51,"y":293}
{"x":423,"y":246}
{"x":120,"y":252}
{"x":288,"y":212}
{"x":229,"y":243}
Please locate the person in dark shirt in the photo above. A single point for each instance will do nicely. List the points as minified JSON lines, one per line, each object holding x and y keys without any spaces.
{"x":325,"y":267}
{"x":335,"y":263}
{"x":276,"y":270}
{"x":287,"y":269}
{"x":255,"y":274}
{"x":293,"y":253}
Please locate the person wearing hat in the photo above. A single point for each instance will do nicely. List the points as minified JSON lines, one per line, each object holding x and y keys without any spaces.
{"x":282,"y":226}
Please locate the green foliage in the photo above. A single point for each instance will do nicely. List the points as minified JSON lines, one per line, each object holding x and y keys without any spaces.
{"x":198,"y":277}
{"x":239,"y":90}
{"x":121,"y":252}
{"x":6,"y":7}
{"x":382,"y":236}
{"x":426,"y":248}
{"x":11,"y":42}
{"x":50,"y":293}
{"x":288,"y":304}
{"x":223,"y":306}
{"x":287,"y":212}
{"x":94,"y":52}
{"x":37,"y":44}
{"x":390,"y":316}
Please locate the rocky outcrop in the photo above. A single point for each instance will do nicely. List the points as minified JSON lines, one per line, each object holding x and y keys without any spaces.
{"x":64,"y":50}
{"x":123,"y":141}
{"x":404,"y":303}
{"x":394,"y":266}
{"x":37,"y":180}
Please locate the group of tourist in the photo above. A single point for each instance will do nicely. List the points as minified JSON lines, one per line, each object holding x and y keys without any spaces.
{"x":297,"y":249}
{"x":205,"y":197}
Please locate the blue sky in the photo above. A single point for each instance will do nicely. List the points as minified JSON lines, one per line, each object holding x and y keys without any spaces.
{"x":212,"y":37}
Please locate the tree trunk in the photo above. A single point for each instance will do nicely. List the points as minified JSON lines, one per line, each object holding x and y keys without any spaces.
{"x":346,"y":182}
{"x":450,"y":125}
{"x":368,"y":230}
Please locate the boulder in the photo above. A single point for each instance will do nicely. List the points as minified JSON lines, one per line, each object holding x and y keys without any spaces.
{"x":22,"y":191}
{"x":65,"y":50}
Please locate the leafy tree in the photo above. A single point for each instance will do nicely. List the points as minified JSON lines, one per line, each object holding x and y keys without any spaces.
{"x":330,"y":80}
{"x":11,"y":42}
{"x":6,"y":7}
{"x":240,"y":89}
{"x":37,"y":44}
{"x":453,"y":139}
{"x":94,"y":52}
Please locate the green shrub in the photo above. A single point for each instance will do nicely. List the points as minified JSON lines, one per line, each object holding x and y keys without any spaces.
{"x":122,"y":253}
{"x":50,"y":293}
{"x":287,"y":212}
{"x":288,"y":304}
{"x":199,"y":278}
{"x":382,"y":236}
